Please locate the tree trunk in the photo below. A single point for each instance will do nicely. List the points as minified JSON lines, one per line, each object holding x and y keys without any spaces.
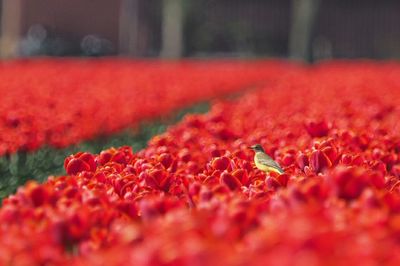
{"x":303,"y":17}
{"x":10,"y":27}
{"x":172,"y":29}
{"x":129,"y":28}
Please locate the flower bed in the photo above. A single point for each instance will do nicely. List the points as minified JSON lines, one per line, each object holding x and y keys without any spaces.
{"x":18,"y":168}
{"x":193,"y":195}
{"x":63,"y":102}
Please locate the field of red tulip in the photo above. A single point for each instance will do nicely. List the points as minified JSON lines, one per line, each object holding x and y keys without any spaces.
{"x":52,"y":108}
{"x":194,"y":197}
{"x":63,"y":102}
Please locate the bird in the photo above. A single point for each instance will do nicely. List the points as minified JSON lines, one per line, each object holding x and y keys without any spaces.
{"x":264,"y":162}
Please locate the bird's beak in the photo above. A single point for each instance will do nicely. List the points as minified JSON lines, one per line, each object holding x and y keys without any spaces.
{"x":250,"y":147}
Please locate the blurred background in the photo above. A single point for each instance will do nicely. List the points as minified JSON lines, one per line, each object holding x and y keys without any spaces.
{"x":308,"y":30}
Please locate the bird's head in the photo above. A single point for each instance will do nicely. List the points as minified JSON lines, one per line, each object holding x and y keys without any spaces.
{"x":257,"y":148}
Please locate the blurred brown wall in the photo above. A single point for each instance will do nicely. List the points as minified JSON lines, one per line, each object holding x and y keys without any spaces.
{"x":75,"y":18}
{"x":367,"y":28}
{"x":350,"y":28}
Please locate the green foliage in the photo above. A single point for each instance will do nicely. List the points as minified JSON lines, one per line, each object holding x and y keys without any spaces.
{"x":22,"y":166}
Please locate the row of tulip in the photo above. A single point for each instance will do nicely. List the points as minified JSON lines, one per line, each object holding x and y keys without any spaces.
{"x":193,"y":195}
{"x":62,"y":102}
{"x":21,"y":166}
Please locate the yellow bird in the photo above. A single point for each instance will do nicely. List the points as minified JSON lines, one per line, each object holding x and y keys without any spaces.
{"x":264,"y":162}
